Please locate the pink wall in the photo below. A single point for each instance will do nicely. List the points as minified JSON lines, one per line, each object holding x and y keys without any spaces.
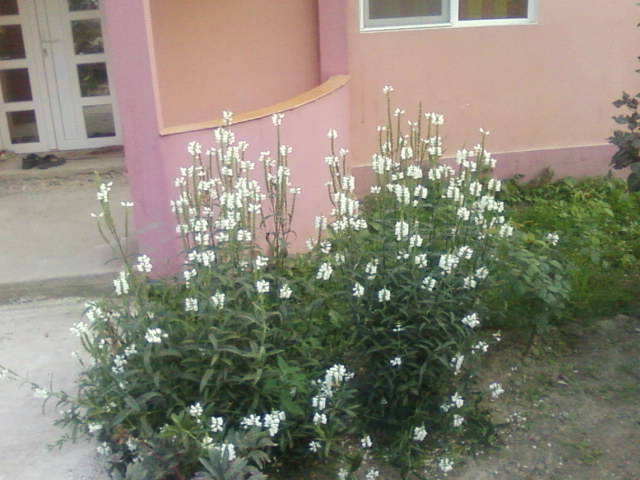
{"x":236,"y":55}
{"x":153,"y":160}
{"x":543,"y":86}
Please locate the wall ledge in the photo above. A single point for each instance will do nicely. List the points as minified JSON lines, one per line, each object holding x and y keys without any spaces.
{"x":332,"y":84}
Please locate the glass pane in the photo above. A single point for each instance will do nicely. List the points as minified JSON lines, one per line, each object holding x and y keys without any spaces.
{"x":9,"y":7}
{"x":87,"y":36}
{"x":15,"y":85}
{"x":11,"y":44}
{"x":492,"y":9}
{"x":98,"y":120}
{"x":22,"y":126}
{"x":93,"y":79}
{"x":75,"y":5}
{"x":379,"y":9}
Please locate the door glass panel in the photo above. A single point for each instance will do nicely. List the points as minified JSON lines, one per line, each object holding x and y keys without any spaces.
{"x":22,"y":126}
{"x":87,"y":36}
{"x":15,"y":85}
{"x":93,"y":79}
{"x":75,"y":5}
{"x":11,"y":43}
{"x":98,"y":120}
{"x":8,"y":7}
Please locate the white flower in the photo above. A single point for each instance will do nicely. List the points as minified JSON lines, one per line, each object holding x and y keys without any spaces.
{"x":319,"y":418}
{"x":421,"y":260}
{"x":372,"y":474}
{"x":144,"y":264}
{"x":469,"y":283}
{"x":332,"y":134}
{"x":396,"y":361}
{"x":94,"y":427}
{"x":277,"y":118}
{"x":428,"y":284}
{"x":552,"y":238}
{"x":103,"y":449}
{"x":262,"y":286}
{"x":384,"y":295}
{"x":387,"y":89}
{"x":272,"y":421}
{"x":419,"y":433}
{"x":445,"y":464}
{"x":496,"y":390}
{"x":482,"y":273}
{"x":261,"y":262}
{"x":457,"y":420}
{"x":365,"y":442}
{"x":343,"y":473}
{"x":375,"y":189}
{"x":285,"y":291}
{"x":121,"y":284}
{"x":155,"y":335}
{"x":251,"y":421}
{"x":227,"y":450}
{"x":314,"y":446}
{"x":103,"y":192}
{"x":456,"y":363}
{"x":324,"y":272}
{"x":457,"y":400}
{"x":480,"y":347}
{"x":471,"y":320}
{"x":41,"y":393}
{"x":358,"y":290}
{"x":217,"y":299}
{"x":325,"y":247}
{"x":371,"y":269}
{"x":505,"y":231}
{"x":217,"y":424}
{"x":195,"y":410}
{"x":191,"y":304}
{"x":194,"y":148}
{"x":320,"y":223}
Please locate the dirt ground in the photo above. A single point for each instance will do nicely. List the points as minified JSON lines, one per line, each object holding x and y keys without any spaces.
{"x":571,"y":410}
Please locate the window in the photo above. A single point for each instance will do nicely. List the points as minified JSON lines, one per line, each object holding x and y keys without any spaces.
{"x":392,"y":14}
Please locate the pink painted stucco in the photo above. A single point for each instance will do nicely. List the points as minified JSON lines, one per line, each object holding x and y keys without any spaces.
{"x":542,"y":86}
{"x":332,"y":21}
{"x":236,"y":55}
{"x":544,"y":90}
{"x":153,"y":160}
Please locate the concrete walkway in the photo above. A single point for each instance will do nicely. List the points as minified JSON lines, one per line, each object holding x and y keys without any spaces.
{"x":36,"y":343}
{"x":50,"y":248}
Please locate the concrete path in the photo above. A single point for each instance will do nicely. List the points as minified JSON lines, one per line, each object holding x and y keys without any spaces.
{"x":36,"y":343}
{"x":49,"y":243}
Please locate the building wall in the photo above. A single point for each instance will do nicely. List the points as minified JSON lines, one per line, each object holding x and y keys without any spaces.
{"x":236,"y":55}
{"x":535,"y":87}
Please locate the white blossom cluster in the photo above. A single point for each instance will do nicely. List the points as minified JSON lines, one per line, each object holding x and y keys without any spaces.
{"x":269,"y":421}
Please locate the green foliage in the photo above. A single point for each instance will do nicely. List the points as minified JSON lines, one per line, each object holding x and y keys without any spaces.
{"x":255,"y":362}
{"x":598,"y":223}
{"x":628,"y":139}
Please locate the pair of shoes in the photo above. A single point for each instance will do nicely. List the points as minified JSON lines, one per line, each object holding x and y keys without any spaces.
{"x":30,"y":161}
{"x":50,"y":161}
{"x":35,"y":161}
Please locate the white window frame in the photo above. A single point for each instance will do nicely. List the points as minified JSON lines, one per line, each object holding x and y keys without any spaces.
{"x":418,"y":23}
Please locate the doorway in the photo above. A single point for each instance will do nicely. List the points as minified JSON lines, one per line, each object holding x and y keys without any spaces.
{"x":54,"y":78}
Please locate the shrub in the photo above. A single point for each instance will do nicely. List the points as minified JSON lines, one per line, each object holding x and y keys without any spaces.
{"x":256,"y":361}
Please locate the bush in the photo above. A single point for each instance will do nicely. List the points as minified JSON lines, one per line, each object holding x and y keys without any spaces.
{"x":598,"y":224}
{"x":257,"y":361}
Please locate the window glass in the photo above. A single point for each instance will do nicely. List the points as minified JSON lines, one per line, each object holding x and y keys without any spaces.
{"x":11,"y":43}
{"x":98,"y":120}
{"x":379,"y":9}
{"x":87,"y":36}
{"x":15,"y":85}
{"x":492,"y":9}
{"x":9,"y":7}
{"x":23,"y":127}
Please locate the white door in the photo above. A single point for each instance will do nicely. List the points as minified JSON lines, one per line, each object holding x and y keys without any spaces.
{"x":54,"y":76}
